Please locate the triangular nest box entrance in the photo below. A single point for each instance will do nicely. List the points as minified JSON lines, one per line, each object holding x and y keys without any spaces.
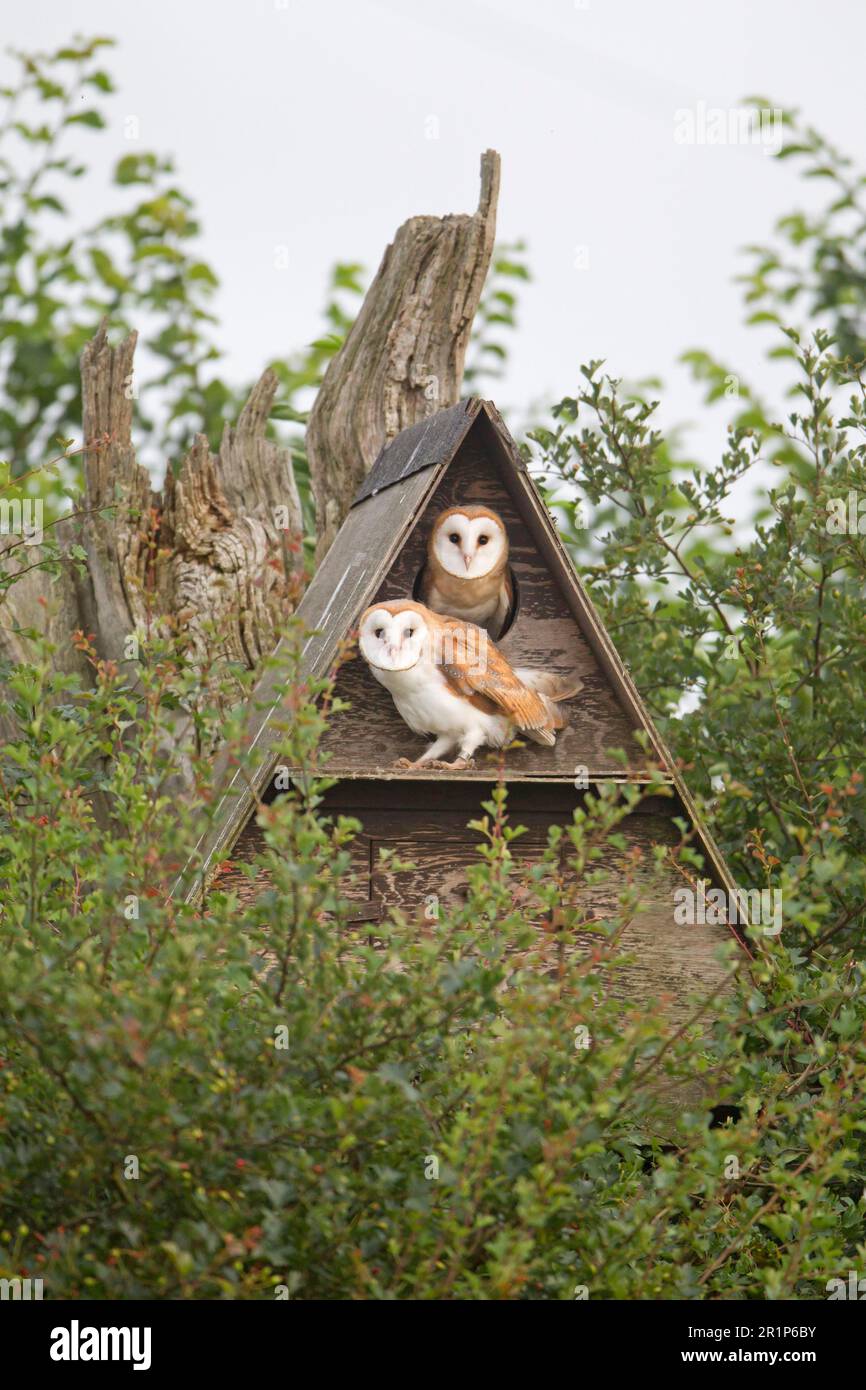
{"x":465,"y":455}
{"x":553,"y":626}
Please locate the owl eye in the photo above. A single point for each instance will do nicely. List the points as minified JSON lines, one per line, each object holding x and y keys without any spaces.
{"x":482,"y":540}
{"x":410,"y":632}
{"x":454,"y":538}
{"x":379,"y":632}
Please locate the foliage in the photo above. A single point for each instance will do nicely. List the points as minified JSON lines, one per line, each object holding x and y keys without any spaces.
{"x":763,"y":638}
{"x":135,"y":267}
{"x":496,"y":312}
{"x":754,"y":664}
{"x":817,"y":268}
{"x":432,"y":1127}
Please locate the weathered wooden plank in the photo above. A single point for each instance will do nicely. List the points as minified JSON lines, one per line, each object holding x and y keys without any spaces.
{"x":441,"y":872}
{"x":430,"y":442}
{"x":488,"y":768}
{"x":546,"y":800}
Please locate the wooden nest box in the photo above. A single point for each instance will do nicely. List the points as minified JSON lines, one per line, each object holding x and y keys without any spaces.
{"x":465,"y":455}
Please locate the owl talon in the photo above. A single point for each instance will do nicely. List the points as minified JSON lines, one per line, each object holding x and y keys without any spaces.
{"x":405,"y":763}
{"x":457,"y":766}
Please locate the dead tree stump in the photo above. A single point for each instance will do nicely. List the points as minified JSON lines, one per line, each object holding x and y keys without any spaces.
{"x":403,"y":357}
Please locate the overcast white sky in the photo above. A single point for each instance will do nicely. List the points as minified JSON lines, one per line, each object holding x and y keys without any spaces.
{"x":304,"y":123}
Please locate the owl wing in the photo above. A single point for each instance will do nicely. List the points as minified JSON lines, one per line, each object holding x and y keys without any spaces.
{"x":482,"y":675}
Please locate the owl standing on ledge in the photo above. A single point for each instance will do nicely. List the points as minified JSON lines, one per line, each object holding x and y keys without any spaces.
{"x":460,"y":691}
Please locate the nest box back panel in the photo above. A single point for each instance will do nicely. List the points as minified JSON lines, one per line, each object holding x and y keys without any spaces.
{"x":544,"y":634}
{"x":427,"y":826}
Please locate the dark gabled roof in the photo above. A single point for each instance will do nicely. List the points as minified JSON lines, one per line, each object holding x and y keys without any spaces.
{"x":429,"y":443}
{"x":384,"y":512}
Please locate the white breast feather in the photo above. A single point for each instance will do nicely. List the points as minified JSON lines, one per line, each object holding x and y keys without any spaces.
{"x":427,"y":703}
{"x":469,"y":612}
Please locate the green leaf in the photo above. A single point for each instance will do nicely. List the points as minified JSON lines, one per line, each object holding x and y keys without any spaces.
{"x":91,"y":118}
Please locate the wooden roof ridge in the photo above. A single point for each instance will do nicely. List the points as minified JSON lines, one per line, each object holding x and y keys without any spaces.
{"x":426,"y":444}
{"x":394,"y":496}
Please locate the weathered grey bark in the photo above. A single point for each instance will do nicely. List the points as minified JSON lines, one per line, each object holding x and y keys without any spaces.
{"x":403,"y":357}
{"x":223,"y":521}
{"x":206,"y":558}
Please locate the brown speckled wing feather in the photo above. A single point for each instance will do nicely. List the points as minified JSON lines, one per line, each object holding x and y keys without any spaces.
{"x":481,"y":674}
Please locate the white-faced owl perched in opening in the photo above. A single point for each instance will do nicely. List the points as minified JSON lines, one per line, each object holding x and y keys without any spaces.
{"x":449,"y":681}
{"x":466,"y":575}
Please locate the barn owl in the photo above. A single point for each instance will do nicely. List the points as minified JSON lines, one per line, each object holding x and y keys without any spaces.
{"x":466,"y":575}
{"x":447,"y":679}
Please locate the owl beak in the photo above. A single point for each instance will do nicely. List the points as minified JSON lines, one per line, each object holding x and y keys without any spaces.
{"x":467,"y":560}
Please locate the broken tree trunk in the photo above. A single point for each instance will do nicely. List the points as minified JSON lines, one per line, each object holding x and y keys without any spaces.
{"x":206,"y":555}
{"x":205,"y":560}
{"x":403,"y":357}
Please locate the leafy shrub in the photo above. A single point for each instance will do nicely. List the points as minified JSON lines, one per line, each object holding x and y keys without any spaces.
{"x":257,"y":1102}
